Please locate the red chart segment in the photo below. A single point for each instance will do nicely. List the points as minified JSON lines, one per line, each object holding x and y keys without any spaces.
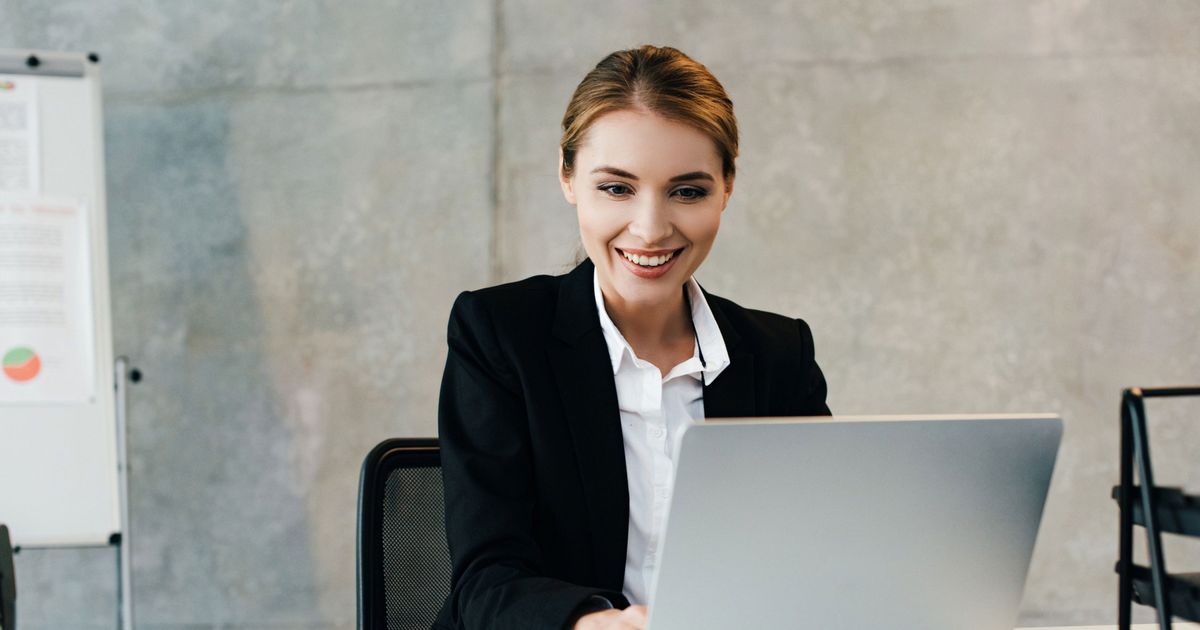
{"x":21,"y":364}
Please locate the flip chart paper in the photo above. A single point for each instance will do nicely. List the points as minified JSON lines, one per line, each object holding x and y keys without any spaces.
{"x":47,"y":346}
{"x":20,"y":140}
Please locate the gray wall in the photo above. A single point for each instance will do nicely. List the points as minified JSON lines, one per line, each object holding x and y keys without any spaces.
{"x":979,"y":206}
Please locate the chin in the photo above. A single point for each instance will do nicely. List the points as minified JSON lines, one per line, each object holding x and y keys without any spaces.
{"x":637,"y":291}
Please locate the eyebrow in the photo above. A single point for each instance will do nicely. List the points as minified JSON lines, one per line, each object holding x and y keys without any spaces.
{"x":686,"y":177}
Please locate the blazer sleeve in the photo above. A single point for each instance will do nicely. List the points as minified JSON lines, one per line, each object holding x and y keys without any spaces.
{"x":497,"y":579}
{"x":812,"y":381}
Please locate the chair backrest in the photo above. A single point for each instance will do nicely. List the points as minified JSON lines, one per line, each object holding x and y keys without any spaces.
{"x":403,"y":561}
{"x":8,"y":583}
{"x":1159,"y":510}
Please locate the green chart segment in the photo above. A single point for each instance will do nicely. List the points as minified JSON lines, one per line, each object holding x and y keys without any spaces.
{"x":21,"y":364}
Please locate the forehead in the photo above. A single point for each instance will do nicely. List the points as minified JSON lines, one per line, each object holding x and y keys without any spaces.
{"x":646,"y":145}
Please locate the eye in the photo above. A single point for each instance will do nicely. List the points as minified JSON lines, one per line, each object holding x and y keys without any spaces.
{"x":616,"y":189}
{"x":690,"y":193}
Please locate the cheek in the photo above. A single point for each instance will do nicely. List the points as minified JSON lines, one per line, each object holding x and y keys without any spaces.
{"x":595,"y":225}
{"x":701,"y":227}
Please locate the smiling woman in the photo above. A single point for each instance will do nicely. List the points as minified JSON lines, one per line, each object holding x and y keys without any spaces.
{"x":564,"y":397}
{"x":649,"y":193}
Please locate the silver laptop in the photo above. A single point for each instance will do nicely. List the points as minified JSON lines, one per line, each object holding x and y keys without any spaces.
{"x":854,"y":523}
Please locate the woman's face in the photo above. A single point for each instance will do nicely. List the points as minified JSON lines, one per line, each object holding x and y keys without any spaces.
{"x":649,"y":193}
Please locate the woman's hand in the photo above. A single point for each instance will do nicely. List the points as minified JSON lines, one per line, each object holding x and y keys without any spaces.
{"x":632,"y":618}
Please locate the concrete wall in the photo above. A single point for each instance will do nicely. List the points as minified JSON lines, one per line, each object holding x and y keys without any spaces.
{"x":979,"y":206}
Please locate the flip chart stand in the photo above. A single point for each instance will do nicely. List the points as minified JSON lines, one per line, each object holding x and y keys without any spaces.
{"x":120,"y":541}
{"x":124,"y":549}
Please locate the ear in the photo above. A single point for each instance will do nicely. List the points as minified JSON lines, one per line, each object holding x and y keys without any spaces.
{"x":568,"y":187}
{"x":728,"y":192}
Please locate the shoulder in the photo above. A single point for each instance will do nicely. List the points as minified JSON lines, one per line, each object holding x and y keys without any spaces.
{"x":513,"y":298}
{"x":532,"y":302}
{"x":510,"y":314}
{"x":780,"y":345}
{"x":765,"y":333}
{"x":789,"y":380}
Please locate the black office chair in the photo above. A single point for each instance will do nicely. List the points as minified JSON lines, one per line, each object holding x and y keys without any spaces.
{"x":1158,"y":510}
{"x":403,"y":561}
{"x":8,"y":583}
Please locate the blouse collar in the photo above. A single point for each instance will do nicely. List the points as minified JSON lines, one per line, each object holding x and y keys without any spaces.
{"x":710,"y":351}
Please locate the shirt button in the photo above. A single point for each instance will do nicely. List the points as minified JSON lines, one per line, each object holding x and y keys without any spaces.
{"x":656,"y":432}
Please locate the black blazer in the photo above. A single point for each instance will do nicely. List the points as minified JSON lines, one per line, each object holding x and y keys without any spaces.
{"x":537,"y":503}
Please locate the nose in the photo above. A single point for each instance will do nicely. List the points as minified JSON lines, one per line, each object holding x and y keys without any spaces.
{"x":651,"y":222}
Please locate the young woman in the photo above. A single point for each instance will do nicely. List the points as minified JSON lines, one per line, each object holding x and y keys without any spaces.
{"x":563,"y":397}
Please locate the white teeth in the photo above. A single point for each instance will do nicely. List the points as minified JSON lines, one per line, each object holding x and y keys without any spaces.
{"x":648,"y":261}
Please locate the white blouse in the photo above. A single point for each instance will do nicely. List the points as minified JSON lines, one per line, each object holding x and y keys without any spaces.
{"x":654,"y":411}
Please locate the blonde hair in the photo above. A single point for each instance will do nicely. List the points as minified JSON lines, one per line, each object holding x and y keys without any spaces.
{"x":662,"y":80}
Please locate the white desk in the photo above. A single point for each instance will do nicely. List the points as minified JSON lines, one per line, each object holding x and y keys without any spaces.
{"x":1176,"y":626}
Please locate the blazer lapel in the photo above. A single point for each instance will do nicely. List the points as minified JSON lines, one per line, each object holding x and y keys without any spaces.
{"x":584,"y":377}
{"x":732,"y":393}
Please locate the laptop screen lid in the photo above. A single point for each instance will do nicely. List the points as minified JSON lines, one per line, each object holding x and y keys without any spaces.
{"x":898,"y":522}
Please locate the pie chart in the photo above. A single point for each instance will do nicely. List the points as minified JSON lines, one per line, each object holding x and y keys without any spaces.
{"x":21,"y":364}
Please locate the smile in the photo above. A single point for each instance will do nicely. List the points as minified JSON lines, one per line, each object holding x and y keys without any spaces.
{"x":648,"y":261}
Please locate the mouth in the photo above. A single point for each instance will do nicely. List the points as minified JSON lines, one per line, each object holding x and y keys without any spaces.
{"x":649,"y":263}
{"x":655,"y":259}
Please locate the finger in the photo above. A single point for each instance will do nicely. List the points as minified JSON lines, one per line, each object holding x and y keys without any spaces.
{"x":634,"y":617}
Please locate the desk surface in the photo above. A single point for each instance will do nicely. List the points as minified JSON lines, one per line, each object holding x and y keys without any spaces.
{"x":1175,"y":626}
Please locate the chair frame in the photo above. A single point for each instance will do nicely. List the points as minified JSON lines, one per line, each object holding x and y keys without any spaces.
{"x":8,"y":582}
{"x":388,"y":456}
{"x":1140,"y":505}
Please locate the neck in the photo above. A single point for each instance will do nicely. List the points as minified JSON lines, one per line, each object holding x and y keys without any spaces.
{"x":650,"y":326}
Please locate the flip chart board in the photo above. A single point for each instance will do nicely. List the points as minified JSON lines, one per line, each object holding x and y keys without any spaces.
{"x":58,"y":437}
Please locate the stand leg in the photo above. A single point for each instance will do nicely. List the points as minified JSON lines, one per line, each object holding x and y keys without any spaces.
{"x":124,"y":548}
{"x":120,"y":585}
